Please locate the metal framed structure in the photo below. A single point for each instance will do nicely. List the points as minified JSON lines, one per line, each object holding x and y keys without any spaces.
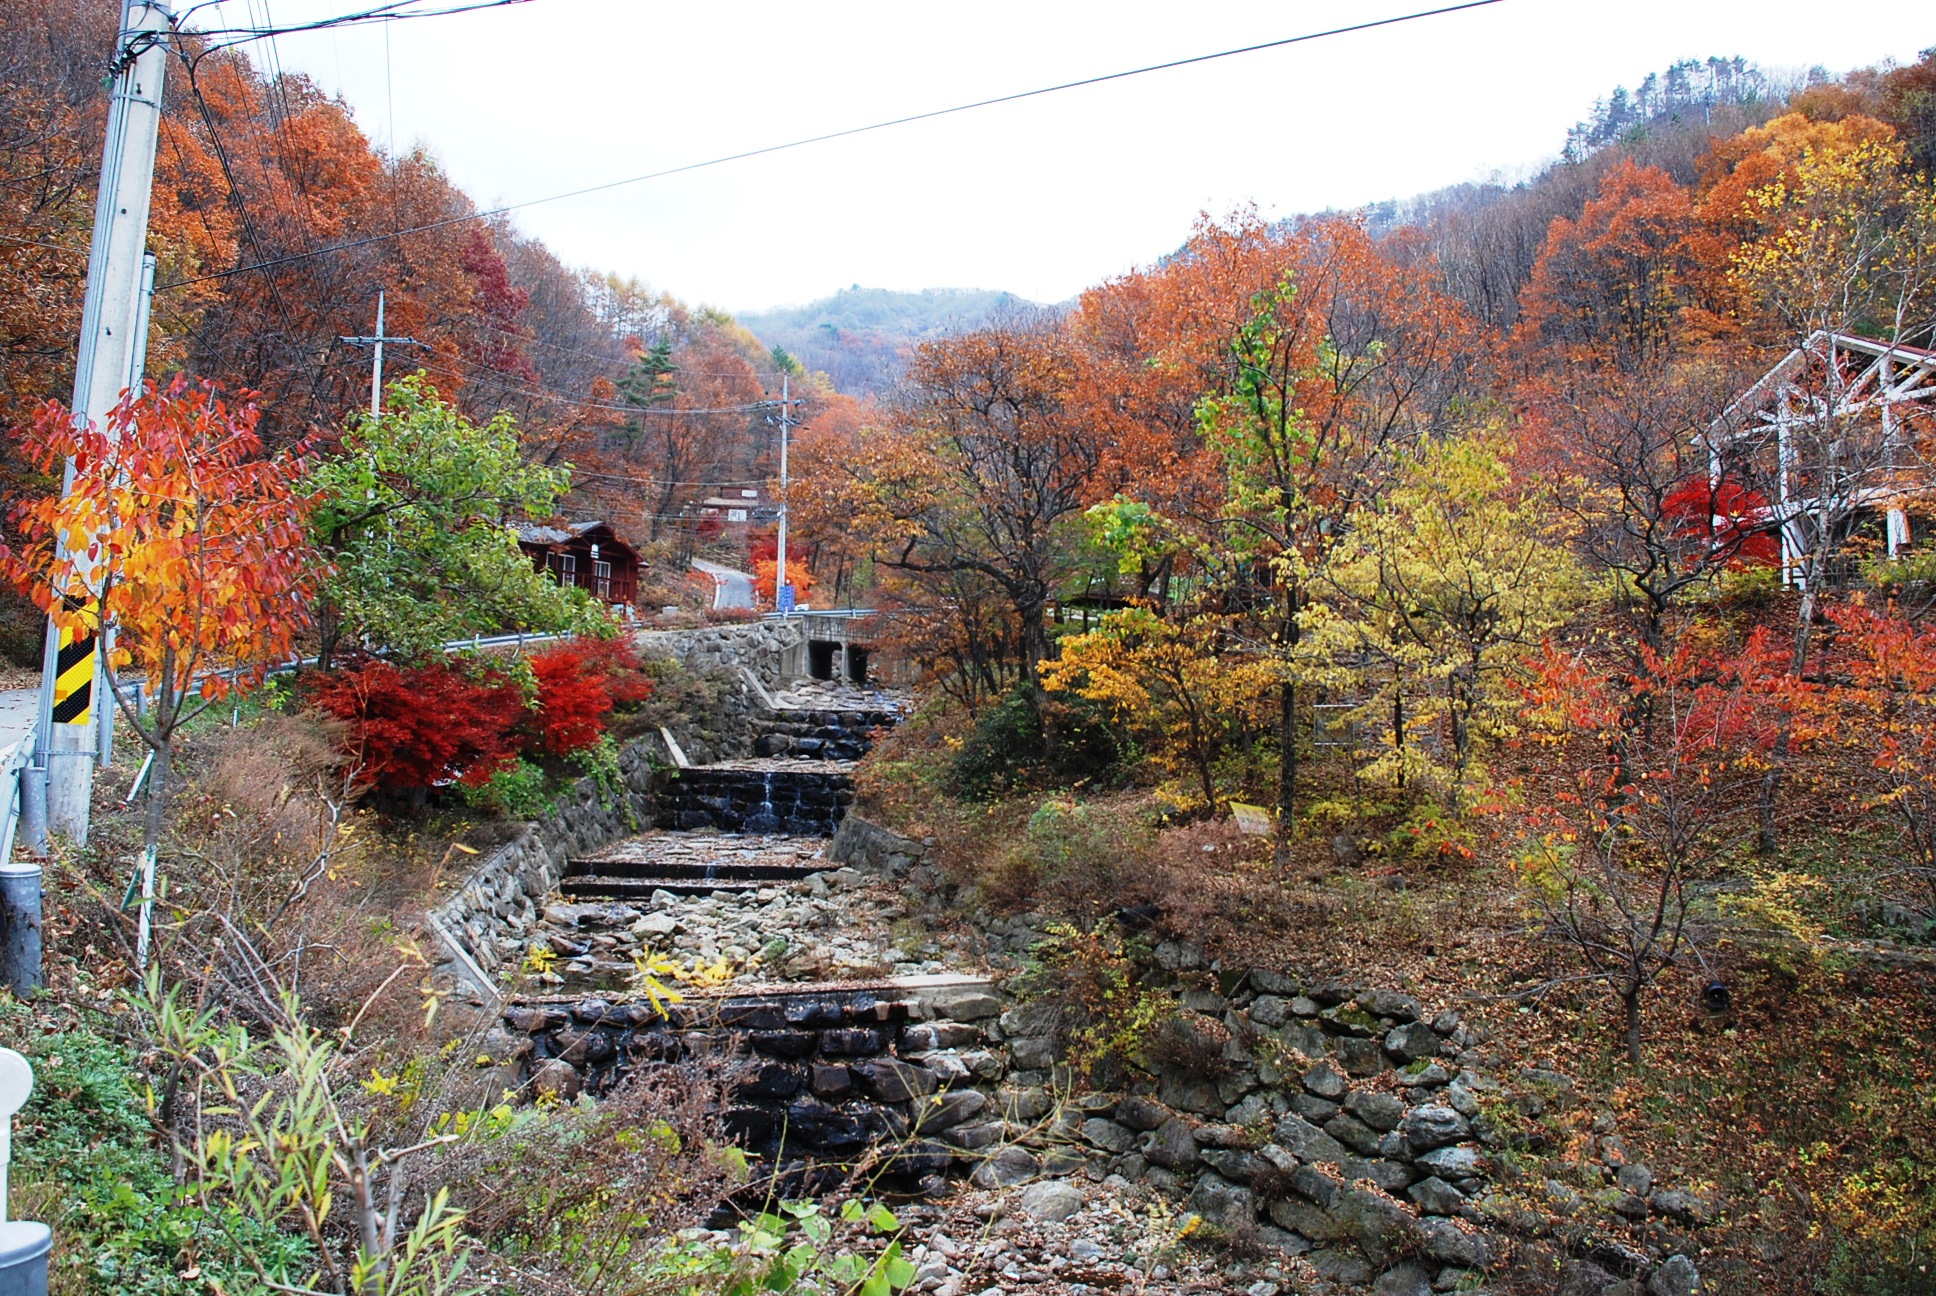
{"x":1869,"y":407}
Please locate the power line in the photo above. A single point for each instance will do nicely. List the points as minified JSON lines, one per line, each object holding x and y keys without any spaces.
{"x":821,"y":139}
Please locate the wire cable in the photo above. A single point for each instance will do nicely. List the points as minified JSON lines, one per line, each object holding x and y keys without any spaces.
{"x":830,"y":135}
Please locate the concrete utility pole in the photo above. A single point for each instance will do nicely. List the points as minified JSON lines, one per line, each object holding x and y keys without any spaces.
{"x":779,"y":558}
{"x":376,"y":370}
{"x":113,"y":338}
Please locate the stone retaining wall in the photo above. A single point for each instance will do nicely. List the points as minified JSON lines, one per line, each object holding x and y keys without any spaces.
{"x":1354,"y":1127}
{"x":797,"y":803}
{"x":815,"y":1076}
{"x":759,"y":646}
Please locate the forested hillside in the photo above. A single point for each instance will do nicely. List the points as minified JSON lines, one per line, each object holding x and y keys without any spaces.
{"x":862,"y":338}
{"x":276,"y":220}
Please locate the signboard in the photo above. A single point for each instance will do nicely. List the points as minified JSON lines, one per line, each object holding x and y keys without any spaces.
{"x":784,"y":600}
{"x":1252,"y":821}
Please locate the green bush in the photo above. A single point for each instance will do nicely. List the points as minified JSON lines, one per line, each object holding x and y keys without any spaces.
{"x":516,"y":791}
{"x":1012,"y":747}
{"x":85,"y":1162}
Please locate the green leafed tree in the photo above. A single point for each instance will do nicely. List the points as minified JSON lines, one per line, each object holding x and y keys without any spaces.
{"x":415,"y":512}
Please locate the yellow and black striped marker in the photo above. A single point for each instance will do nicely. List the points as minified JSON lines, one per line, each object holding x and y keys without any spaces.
{"x":74,"y":677}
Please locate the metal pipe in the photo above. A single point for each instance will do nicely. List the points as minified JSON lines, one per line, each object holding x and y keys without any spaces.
{"x":20,"y":928}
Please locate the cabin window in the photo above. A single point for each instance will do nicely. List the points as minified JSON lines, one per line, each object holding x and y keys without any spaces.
{"x":601,"y":578}
{"x":564,"y":567}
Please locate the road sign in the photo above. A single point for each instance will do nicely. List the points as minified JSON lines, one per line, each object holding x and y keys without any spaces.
{"x":74,"y":677}
{"x":785,"y":598}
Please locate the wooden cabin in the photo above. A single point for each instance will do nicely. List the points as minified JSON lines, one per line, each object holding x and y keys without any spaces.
{"x":589,"y":555}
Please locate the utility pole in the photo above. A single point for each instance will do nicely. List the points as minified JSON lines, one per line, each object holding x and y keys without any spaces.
{"x":376,"y":341}
{"x":779,"y":558}
{"x":113,"y":316}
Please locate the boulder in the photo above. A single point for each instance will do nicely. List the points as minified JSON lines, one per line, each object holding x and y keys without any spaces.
{"x":1405,"y":1280}
{"x":1326,"y":1080}
{"x":945,"y":1111}
{"x":1354,"y":1133}
{"x":1448,"y":1243}
{"x":557,"y":1080}
{"x":1107,"y":1135}
{"x":1412,"y":1042}
{"x":1434,"y":1196}
{"x":1390,"y":1003}
{"x":1677,"y":1277}
{"x":1270,"y":1010}
{"x":1051,"y":1201}
{"x":1007,"y":1167}
{"x":1433,"y":1126}
{"x":1381,"y":1227}
{"x":1455,"y":1163}
{"x":1376,"y":1108}
{"x":1223,"y":1203}
{"x":1140,"y":1113}
{"x":1681,"y":1207}
{"x":1306,"y":1141}
{"x":1171,"y":1145}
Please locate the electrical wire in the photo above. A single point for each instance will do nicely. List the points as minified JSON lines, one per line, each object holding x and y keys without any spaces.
{"x":819,"y":139}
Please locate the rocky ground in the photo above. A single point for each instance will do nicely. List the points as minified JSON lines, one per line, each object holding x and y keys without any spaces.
{"x":830,"y":924}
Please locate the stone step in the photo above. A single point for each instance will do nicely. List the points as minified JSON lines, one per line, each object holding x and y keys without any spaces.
{"x":691,"y":870}
{"x":601,"y":887}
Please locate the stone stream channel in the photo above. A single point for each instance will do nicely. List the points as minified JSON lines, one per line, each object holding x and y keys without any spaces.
{"x":1351,"y":1137}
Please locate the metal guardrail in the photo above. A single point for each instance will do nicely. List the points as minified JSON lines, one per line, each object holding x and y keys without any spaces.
{"x":12,"y":760}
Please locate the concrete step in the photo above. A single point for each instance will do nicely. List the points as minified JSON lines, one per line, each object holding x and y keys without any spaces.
{"x":693,"y":870}
{"x":598,"y":887}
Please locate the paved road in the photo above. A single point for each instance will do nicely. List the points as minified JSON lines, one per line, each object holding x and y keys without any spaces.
{"x":18,"y":708}
{"x":731,"y":589}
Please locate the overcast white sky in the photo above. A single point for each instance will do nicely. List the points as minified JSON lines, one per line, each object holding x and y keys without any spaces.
{"x":1041,"y":197}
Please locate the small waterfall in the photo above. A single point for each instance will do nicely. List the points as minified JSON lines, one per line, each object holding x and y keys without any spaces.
{"x":766,"y":796}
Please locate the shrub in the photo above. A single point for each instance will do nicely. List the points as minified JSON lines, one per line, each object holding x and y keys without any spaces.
{"x":86,"y":1164}
{"x":515,"y":791}
{"x":1079,"y":855}
{"x":1011,"y":747}
{"x":580,"y":685}
{"x":425,"y":726}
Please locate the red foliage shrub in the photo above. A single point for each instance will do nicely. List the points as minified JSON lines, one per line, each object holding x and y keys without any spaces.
{"x":423,"y":726}
{"x":579,"y":684}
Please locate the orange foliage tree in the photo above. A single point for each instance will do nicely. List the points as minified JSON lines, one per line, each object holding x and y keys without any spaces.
{"x":179,"y":536}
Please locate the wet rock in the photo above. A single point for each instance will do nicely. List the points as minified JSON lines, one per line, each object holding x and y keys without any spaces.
{"x":893,"y":1081}
{"x":831,"y":1080}
{"x":784,"y":1043}
{"x":945,"y":1111}
{"x":584,"y":1048}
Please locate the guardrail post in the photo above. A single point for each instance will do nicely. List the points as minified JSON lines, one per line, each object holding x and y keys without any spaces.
{"x":20,"y":928}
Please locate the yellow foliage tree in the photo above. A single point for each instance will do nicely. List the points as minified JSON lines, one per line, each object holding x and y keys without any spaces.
{"x":1443,"y":588}
{"x":1171,"y":682}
